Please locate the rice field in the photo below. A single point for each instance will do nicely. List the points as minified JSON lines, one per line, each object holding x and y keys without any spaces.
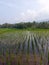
{"x":24,"y":47}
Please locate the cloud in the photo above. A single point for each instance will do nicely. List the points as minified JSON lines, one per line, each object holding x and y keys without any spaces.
{"x":27,"y":10}
{"x":29,"y":15}
{"x":43,"y":11}
{"x":44,"y":5}
{"x":8,"y":4}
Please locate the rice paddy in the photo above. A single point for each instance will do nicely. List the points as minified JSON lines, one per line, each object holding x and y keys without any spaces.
{"x":24,"y":47}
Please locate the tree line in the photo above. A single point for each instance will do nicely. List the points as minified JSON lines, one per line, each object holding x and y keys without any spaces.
{"x":26,"y":25}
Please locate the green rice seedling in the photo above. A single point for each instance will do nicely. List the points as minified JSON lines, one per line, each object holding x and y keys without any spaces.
{"x":7,"y":52}
{"x":35,"y":58}
{"x":33,"y":46}
{"x":18,"y":48}
{"x":48,"y":58}
{"x":27,"y":59}
{"x":27,"y":55}
{"x":8,"y":61}
{"x":3,"y":51}
{"x":19,"y":59}
{"x":23,"y":46}
{"x":41,"y":60}
{"x":42,"y":55}
{"x":28,"y":45}
{"x":2,"y":59}
{"x":36,"y":43}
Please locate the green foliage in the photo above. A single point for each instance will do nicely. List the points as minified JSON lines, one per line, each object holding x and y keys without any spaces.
{"x":33,"y":25}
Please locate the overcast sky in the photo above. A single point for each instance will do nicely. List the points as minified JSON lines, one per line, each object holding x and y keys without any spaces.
{"x":13,"y":11}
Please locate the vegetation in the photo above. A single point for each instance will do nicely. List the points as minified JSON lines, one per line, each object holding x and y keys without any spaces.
{"x":24,"y":47}
{"x":24,"y":43}
{"x":32,"y":25}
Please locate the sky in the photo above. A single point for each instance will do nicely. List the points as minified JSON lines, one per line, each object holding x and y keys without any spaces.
{"x":15,"y":11}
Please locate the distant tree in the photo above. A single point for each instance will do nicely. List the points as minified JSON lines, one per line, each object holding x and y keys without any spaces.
{"x":33,"y":24}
